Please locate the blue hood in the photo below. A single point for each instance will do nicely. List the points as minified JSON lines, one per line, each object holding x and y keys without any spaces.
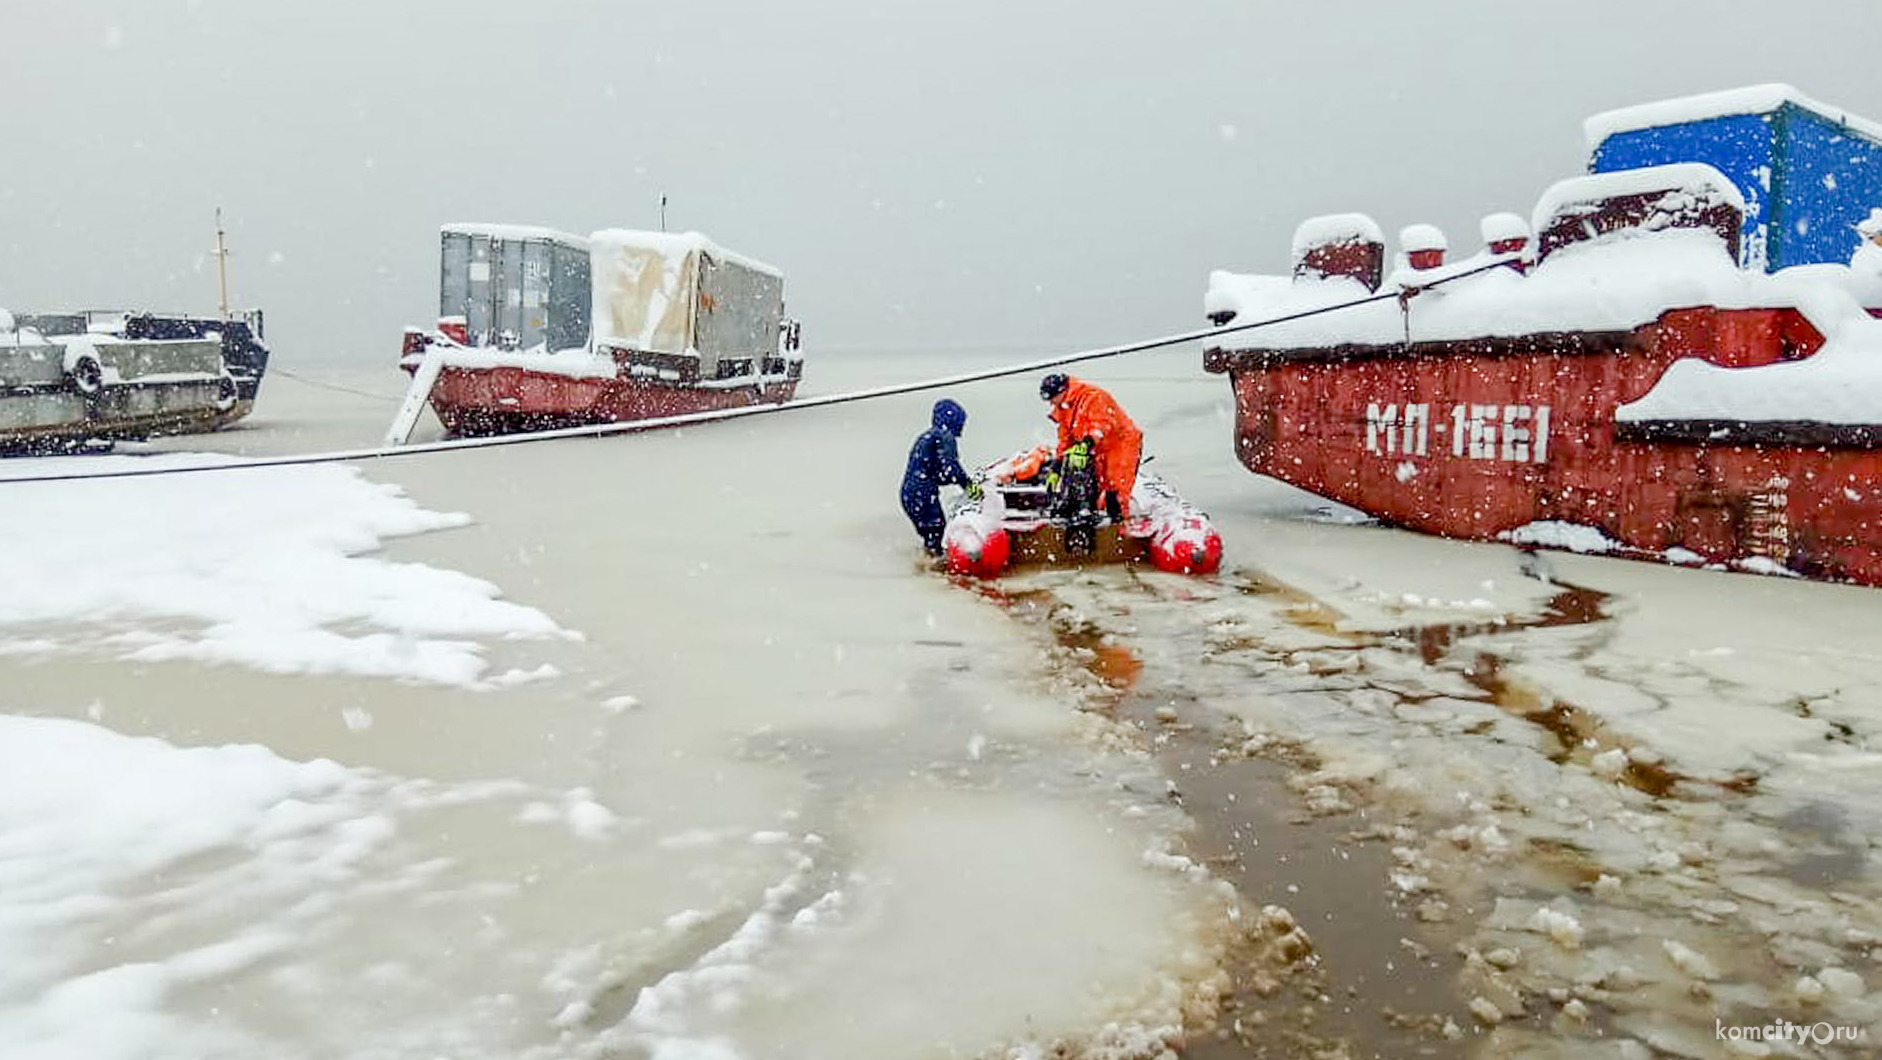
{"x":949,"y":416}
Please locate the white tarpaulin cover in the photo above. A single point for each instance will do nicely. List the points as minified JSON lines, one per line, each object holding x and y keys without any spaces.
{"x":646,"y":286}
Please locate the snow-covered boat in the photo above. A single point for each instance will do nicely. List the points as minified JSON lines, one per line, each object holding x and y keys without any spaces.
{"x":1669,"y":360}
{"x":244,"y":356}
{"x":69,"y":379}
{"x":541,"y":329}
{"x":1021,"y":519}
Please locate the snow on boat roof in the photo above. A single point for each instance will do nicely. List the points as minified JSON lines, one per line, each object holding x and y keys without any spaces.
{"x":1752,"y":99}
{"x":1422,"y":237}
{"x":501,"y":231}
{"x":675,"y":245}
{"x":1335,"y":228}
{"x":1497,"y":227}
{"x":1705,"y":185}
{"x":1616,"y":281}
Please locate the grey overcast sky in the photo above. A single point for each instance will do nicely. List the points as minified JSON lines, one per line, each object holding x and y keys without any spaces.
{"x":1049,"y":174}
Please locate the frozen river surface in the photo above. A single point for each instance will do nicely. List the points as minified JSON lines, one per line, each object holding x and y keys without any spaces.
{"x":670,"y":746}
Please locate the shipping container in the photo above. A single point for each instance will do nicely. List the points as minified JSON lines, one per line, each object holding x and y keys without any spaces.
{"x":1808,"y":171}
{"x":516,"y":286}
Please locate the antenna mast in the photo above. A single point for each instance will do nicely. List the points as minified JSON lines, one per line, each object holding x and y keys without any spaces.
{"x":222,"y":270}
{"x":663,"y":213}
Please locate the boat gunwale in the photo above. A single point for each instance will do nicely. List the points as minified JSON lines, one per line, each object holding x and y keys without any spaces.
{"x":1219,"y":360}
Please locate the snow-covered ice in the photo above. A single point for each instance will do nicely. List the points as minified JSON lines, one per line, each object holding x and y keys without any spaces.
{"x":270,"y":568}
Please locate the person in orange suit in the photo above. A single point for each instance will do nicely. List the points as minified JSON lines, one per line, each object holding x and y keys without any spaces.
{"x":1087,"y":414}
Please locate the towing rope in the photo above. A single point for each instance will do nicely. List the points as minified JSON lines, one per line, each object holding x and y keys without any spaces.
{"x":635,"y":426}
{"x":337,"y":388}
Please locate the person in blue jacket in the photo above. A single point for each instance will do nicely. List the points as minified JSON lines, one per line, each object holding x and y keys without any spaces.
{"x":933,"y":462}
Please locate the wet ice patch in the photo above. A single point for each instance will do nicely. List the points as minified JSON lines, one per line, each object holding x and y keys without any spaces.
{"x":266,"y":568}
{"x":968,"y":919}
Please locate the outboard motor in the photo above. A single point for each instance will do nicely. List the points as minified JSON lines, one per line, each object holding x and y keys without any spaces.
{"x":1076,"y":502}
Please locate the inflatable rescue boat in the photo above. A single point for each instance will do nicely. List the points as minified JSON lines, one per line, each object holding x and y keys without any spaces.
{"x":1043,"y":518}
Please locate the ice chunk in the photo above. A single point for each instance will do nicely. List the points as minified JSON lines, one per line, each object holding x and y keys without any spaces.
{"x":1610,"y":763}
{"x":1689,"y":960}
{"x":1555,"y":534}
{"x":1809,"y":990}
{"x":1278,"y":919}
{"x":1645,"y":756}
{"x":685,"y":920}
{"x":1562,"y":927}
{"x":1842,"y":982}
{"x":588,"y":818}
{"x":1485,"y":1009}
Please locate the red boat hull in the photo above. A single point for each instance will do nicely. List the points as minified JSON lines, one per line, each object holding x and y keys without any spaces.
{"x":1474,"y":439}
{"x":475,"y":401}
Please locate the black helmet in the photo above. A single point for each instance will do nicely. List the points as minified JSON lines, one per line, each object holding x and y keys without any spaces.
{"x":1052,"y":386}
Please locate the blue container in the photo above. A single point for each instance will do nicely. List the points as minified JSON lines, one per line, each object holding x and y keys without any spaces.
{"x":1808,"y":172}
